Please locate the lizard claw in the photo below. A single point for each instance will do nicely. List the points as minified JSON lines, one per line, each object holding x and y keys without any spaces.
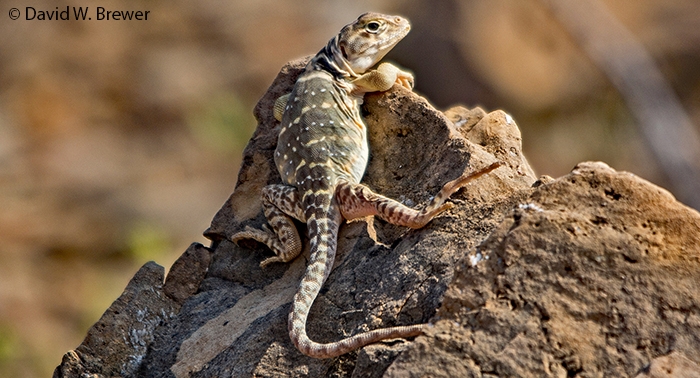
{"x":405,"y":79}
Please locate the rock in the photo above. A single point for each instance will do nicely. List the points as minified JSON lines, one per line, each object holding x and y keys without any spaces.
{"x":384,"y":275}
{"x":116,"y":345}
{"x":187,"y":273}
{"x":674,"y":365}
{"x":594,"y":273}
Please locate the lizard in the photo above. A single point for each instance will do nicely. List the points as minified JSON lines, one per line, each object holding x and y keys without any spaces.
{"x":321,"y":155}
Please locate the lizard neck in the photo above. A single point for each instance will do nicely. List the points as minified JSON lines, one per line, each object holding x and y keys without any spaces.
{"x":331,"y":60}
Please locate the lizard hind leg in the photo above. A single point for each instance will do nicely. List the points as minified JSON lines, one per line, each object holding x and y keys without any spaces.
{"x":356,"y":200}
{"x":280,"y":204}
{"x":280,"y":106}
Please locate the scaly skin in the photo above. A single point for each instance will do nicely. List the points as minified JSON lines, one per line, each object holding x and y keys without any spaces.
{"x":322,"y":154}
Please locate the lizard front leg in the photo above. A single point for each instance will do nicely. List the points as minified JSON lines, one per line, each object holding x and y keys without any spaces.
{"x":280,"y":204}
{"x":357,"y":200}
{"x":280,"y":106}
{"x":383,"y":78}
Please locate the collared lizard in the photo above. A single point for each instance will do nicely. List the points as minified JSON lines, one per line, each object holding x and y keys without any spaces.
{"x":322,"y":154}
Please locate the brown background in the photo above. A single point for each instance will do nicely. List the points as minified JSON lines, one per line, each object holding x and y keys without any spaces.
{"x":119,"y":140}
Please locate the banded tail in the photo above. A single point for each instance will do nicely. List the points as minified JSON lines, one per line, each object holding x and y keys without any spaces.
{"x":323,"y":220}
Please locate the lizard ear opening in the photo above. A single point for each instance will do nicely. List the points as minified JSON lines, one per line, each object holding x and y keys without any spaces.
{"x":342,"y":50}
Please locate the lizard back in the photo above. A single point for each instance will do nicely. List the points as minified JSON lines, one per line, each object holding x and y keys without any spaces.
{"x":322,"y":136}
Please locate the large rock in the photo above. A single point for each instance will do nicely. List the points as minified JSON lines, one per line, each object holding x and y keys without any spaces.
{"x":384,"y":275}
{"x":116,"y":345}
{"x":593,"y":273}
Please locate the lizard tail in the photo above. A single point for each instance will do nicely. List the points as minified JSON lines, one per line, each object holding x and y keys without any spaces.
{"x":323,"y":233}
{"x":328,"y":350}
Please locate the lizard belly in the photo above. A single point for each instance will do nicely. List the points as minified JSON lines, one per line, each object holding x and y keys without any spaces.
{"x":322,"y":134}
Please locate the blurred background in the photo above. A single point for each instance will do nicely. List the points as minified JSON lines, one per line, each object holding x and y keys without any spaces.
{"x":119,"y":140}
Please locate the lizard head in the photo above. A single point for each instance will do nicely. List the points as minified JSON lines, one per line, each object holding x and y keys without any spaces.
{"x":365,"y":42}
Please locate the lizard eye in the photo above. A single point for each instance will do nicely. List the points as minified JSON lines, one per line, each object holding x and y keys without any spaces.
{"x":373,"y":27}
